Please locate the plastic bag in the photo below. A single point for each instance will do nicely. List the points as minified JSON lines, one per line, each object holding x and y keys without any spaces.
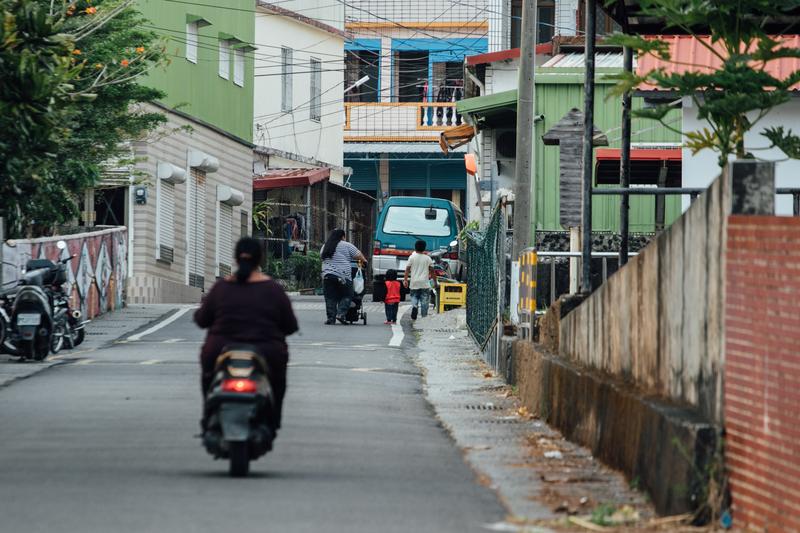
{"x":358,"y":282}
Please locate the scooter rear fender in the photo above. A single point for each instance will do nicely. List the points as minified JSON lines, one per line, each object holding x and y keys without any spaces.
{"x":235,"y":420}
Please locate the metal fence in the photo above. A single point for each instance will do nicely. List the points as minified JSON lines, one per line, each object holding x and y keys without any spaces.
{"x":485,"y":284}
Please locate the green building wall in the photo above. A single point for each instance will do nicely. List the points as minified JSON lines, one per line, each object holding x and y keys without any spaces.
{"x":557,"y":91}
{"x":197,"y":88}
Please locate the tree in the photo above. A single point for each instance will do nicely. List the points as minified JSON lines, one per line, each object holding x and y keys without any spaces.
{"x":100,"y":128}
{"x":67,"y":101}
{"x":36,"y":69}
{"x":733,"y":98}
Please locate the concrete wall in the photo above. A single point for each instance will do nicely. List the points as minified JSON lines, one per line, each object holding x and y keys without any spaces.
{"x":658,"y":322}
{"x":762,"y":374}
{"x":696,"y":168}
{"x":156,"y":281}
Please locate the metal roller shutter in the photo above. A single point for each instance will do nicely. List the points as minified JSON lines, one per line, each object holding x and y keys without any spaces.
{"x":197,"y":229}
{"x":225,"y":239}
{"x":166,"y":221}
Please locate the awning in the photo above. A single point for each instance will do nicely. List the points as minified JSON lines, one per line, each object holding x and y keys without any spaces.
{"x":281,"y":178}
{"x":452,"y":138}
{"x":646,"y":165}
{"x":491,"y":105}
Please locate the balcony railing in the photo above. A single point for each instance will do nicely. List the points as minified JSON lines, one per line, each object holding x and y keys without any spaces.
{"x":398,"y":121}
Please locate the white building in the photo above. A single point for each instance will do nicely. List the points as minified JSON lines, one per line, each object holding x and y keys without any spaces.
{"x":298,"y":111}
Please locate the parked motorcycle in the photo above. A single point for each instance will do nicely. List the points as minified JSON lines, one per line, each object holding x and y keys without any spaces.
{"x":237,"y":407}
{"x":441,"y":272}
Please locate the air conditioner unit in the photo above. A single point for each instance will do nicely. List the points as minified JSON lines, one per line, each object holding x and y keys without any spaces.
{"x":505,"y":145}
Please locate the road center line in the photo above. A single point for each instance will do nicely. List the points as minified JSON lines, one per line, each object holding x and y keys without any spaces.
{"x":397,"y":329}
{"x":161,"y":324}
{"x":150,"y":362}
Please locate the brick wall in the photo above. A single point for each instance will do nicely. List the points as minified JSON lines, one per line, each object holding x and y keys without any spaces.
{"x":762,"y":371}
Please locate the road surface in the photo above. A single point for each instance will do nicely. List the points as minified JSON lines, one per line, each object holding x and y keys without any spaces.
{"x":105,"y":443}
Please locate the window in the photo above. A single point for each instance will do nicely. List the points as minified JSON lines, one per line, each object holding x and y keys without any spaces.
{"x":165,"y":221}
{"x":238,"y":67}
{"x":405,"y":220}
{"x":357,"y":64}
{"x":286,"y":80}
{"x":196,"y":218}
{"x":412,"y":76}
{"x":315,"y":109}
{"x":224,"y":59}
{"x":244,"y":224}
{"x":545,"y":19}
{"x":224,"y":239}
{"x":191,"y":41}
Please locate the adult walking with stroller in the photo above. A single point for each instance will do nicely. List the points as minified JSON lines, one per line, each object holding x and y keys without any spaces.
{"x":337,"y":277}
{"x":420,"y":271}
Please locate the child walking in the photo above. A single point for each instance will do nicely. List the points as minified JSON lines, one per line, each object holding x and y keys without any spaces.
{"x":392,"y":300}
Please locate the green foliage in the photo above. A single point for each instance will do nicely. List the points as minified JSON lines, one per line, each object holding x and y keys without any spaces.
{"x":67,"y":102}
{"x":737,"y":95}
{"x":601,"y":515}
{"x":35,"y":96}
{"x":305,"y":270}
{"x":262,"y":212}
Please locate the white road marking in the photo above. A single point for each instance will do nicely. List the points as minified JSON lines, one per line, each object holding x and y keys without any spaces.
{"x":366,"y":369}
{"x":85,"y":362}
{"x":150,"y":362}
{"x":161,"y":324}
{"x":397,"y":329}
{"x":172,"y":341}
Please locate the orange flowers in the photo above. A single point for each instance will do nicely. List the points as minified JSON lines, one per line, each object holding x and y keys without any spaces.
{"x":124,"y":63}
{"x":140,"y":49}
{"x":98,"y":66}
{"x":91,"y":10}
{"x":76,"y":52}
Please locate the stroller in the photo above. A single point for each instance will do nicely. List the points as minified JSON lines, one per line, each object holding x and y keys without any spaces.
{"x":356,"y":311}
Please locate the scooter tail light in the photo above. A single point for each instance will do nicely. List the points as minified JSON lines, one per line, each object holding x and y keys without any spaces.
{"x":376,"y":248}
{"x":452,"y":255}
{"x":239,"y":385}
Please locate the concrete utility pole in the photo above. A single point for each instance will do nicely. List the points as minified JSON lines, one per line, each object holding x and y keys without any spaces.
{"x":523,"y":207}
{"x":588,"y":147}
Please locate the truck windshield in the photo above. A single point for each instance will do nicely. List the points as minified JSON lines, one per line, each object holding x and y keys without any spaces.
{"x":404,"y":220}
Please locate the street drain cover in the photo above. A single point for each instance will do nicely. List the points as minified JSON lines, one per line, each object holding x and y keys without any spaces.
{"x":483,"y":407}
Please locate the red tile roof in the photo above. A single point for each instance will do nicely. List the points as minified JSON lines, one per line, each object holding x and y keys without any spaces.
{"x":504,"y":55}
{"x":690,"y":55}
{"x":279,"y":178}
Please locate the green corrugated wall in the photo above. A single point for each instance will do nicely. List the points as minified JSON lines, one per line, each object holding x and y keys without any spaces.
{"x":557,"y":92}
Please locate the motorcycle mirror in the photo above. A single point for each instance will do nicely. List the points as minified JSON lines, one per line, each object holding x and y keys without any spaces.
{"x":454,"y":244}
{"x":61,"y":245}
{"x":430,"y":214}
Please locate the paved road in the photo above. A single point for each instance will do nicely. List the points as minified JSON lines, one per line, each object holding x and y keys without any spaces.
{"x":105,"y":444}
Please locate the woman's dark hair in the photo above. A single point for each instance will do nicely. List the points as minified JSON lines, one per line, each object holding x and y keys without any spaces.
{"x":248,"y":256}
{"x":334,"y":238}
{"x":391,"y":275}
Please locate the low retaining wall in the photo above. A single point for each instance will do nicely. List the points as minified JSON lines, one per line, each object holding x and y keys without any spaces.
{"x":96,"y":277}
{"x":664,"y":449}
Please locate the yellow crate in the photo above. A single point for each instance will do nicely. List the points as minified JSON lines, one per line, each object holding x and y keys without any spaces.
{"x":452,"y":295}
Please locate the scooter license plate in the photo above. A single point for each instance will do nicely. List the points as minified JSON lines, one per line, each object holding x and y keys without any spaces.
{"x":28,"y":319}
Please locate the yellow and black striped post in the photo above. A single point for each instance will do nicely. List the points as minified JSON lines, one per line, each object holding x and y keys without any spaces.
{"x":527,"y":290}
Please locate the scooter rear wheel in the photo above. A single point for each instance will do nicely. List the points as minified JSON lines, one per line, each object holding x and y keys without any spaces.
{"x":240,"y":459}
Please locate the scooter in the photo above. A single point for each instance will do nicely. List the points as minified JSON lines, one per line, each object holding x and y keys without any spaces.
{"x":237,"y":408}
{"x":441,"y":272}
{"x":32,"y":317}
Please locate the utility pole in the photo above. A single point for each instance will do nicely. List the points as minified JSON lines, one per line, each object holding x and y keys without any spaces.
{"x":523,"y":206}
{"x":588,"y":148}
{"x":625,"y":162}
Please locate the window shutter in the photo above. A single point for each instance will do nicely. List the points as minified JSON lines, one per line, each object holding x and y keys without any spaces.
{"x":166,"y":221}
{"x":315,"y":108}
{"x":191,"y":42}
{"x":225,"y":239}
{"x":286,"y":79}
{"x":197,"y":230}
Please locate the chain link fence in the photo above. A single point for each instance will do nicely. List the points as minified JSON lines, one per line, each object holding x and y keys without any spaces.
{"x":485,"y":270}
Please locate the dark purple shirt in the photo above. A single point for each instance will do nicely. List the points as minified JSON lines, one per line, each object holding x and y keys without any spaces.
{"x":258,"y":313}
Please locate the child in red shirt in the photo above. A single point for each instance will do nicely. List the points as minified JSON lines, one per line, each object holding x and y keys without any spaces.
{"x":392,"y":300}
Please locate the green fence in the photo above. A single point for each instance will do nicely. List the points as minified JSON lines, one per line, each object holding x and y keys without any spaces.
{"x":483,"y":277}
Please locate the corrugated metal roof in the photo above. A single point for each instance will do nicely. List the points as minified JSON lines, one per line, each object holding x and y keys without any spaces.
{"x":395,"y":148}
{"x":602,"y":60}
{"x":278,"y":178}
{"x":690,"y":55}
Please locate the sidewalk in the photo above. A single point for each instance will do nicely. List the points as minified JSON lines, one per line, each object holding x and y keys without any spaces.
{"x":100,"y":332}
{"x":541,"y":478}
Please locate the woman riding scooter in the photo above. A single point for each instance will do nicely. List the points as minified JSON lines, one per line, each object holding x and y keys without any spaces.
{"x":248,"y":308}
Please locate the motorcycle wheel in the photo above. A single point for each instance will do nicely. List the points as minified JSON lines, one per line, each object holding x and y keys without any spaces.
{"x":26,"y":349}
{"x":41,"y":350}
{"x":240,"y":459}
{"x":58,"y":338}
{"x":78,"y":337}
{"x":9,"y":348}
